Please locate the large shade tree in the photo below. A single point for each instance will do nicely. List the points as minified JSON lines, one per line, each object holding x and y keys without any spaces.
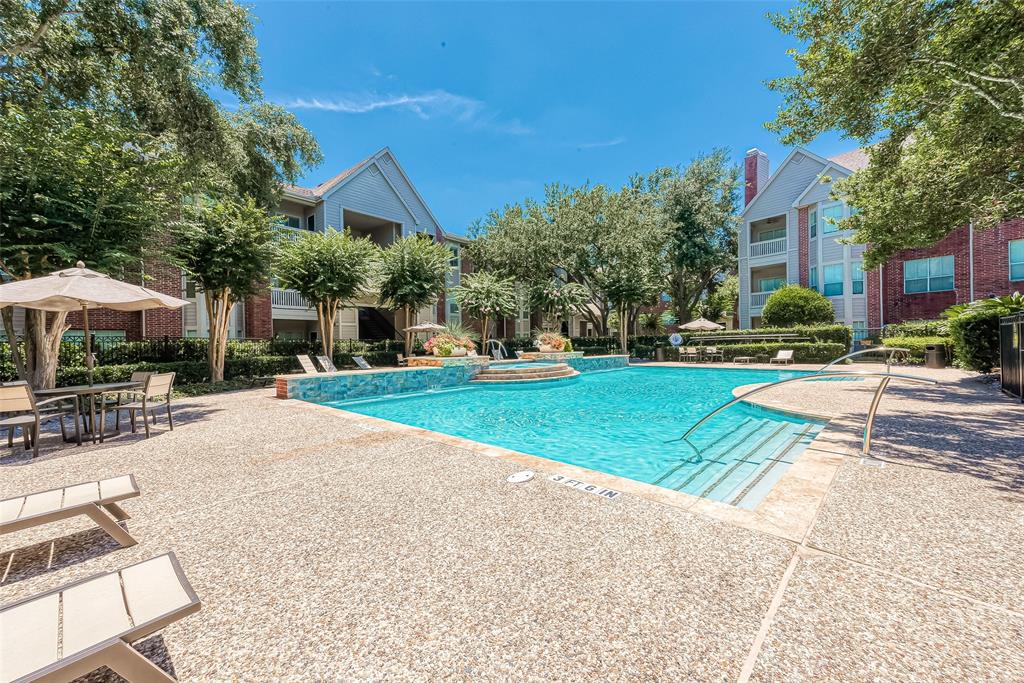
{"x":487,"y":297}
{"x":939,"y":86}
{"x":329,"y":269}
{"x":412,"y":275}
{"x":227,"y":247}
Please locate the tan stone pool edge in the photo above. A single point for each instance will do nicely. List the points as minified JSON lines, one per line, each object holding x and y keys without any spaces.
{"x":787,"y":511}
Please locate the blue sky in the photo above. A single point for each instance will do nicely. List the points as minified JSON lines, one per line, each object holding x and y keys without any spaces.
{"x":483,"y":103}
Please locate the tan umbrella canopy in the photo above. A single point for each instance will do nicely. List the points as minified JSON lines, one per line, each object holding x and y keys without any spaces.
{"x":81,"y":289}
{"x":702,"y":324}
{"x":424,"y":327}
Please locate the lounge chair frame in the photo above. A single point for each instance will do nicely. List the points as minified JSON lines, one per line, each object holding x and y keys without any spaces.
{"x":155,"y":388}
{"x":29,"y":418}
{"x":779,"y":358}
{"x":326,"y":363}
{"x":115,"y":652}
{"x":361,"y":363}
{"x":100,"y":511}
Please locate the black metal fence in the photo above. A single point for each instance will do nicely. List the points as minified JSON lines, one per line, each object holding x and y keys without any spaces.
{"x":1011,"y":354}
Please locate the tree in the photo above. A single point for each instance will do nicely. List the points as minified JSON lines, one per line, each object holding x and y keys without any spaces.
{"x":329,"y":269}
{"x":700,"y":207}
{"x":794,"y":305}
{"x":722,"y":300}
{"x":227,"y":247}
{"x":558,"y":300}
{"x":412,"y":275}
{"x":486,"y":296}
{"x":939,"y":83}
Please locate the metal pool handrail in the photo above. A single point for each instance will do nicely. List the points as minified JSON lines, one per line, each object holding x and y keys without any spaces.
{"x":866,"y":450}
{"x":888,"y":358}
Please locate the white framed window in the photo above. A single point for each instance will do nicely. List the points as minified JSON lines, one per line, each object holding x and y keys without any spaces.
{"x":860,"y":330}
{"x":770,"y":284}
{"x":933,"y":274}
{"x":832,"y":279}
{"x":1017,"y":259}
{"x":292,"y":222}
{"x":454,"y":277}
{"x":813,"y":278}
{"x":775,"y":234}
{"x":812,"y":222}
{"x":831,"y":214}
{"x":856,"y":277}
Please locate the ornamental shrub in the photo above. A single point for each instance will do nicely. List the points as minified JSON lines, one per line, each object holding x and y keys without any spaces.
{"x":917,"y":345}
{"x":974,"y":328}
{"x":793,"y":305}
{"x":917,"y":328}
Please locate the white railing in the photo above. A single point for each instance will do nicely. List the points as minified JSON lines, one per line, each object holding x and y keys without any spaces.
{"x":287,"y":298}
{"x":768,"y":247}
{"x":757,"y":299}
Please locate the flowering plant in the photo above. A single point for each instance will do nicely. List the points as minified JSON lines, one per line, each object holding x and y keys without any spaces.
{"x":445,"y":341}
{"x":552,"y":339}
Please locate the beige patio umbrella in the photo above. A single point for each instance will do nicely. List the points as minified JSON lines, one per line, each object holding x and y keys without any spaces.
{"x":81,"y":289}
{"x":424,"y":327}
{"x":702,"y":325}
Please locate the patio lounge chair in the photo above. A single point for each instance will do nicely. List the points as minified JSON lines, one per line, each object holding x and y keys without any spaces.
{"x":18,"y":403}
{"x":712,"y":352}
{"x":95,"y":620}
{"x":158,"y":385}
{"x":90,"y":499}
{"x":326,"y":363}
{"x":784,"y":356}
{"x":361,"y":363}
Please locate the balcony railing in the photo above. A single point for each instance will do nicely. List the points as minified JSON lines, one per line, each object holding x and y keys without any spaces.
{"x":768,"y":247}
{"x":287,"y":298}
{"x":757,"y":299}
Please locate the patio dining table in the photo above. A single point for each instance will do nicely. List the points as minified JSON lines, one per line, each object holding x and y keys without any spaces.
{"x":90,"y":391}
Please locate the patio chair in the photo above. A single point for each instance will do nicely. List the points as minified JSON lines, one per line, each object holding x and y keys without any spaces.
{"x":689,"y":354}
{"x":712,"y":352}
{"x":784,"y":356}
{"x":158,"y":385}
{"x":326,"y":363}
{"x":94,"y":621}
{"x":89,"y":498}
{"x":18,"y":402}
{"x":361,"y":363}
{"x":402,"y":360}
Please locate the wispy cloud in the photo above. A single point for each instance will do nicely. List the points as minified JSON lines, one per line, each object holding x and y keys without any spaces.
{"x":604,"y":143}
{"x":433,"y":104}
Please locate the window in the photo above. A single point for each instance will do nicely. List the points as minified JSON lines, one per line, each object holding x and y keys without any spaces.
{"x":928,"y":275}
{"x":813,"y":281}
{"x":856,"y":277}
{"x":1017,"y":260}
{"x":292,"y":222}
{"x":833,"y":279}
{"x":765,"y":235}
{"x":770,"y":284}
{"x":454,"y":277}
{"x":813,"y":222}
{"x":830,"y":217}
{"x":310,"y":222}
{"x":860,"y":330}
{"x":190,"y":288}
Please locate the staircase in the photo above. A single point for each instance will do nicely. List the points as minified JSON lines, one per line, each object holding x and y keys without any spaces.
{"x":373,"y":326}
{"x":541,"y":373}
{"x":741,"y":466}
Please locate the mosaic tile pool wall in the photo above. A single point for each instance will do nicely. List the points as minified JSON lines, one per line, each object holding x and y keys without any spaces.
{"x":348,"y":385}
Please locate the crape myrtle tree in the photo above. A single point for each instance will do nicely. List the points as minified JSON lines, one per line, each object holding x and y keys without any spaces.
{"x":558,"y":300}
{"x":226,"y":246}
{"x":107,"y":119}
{"x":938,"y":86}
{"x":330,"y":270}
{"x":486,"y":297}
{"x":412,"y":275}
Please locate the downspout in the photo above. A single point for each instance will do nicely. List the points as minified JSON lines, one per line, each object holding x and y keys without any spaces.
{"x":970,"y":258}
{"x":881,"y":296}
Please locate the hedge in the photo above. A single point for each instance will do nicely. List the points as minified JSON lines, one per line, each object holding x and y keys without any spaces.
{"x":837,"y":334}
{"x":975,"y":336}
{"x":917,"y":328}
{"x":917,"y":345}
{"x":803,"y":352}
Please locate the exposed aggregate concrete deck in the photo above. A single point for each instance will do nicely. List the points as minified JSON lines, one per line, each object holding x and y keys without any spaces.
{"x":324,"y":548}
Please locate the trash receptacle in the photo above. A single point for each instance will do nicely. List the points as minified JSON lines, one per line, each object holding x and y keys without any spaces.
{"x":935,"y":356}
{"x":659,"y":354}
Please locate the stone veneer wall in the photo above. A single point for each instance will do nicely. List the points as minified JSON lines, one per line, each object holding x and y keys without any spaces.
{"x":595,"y":363}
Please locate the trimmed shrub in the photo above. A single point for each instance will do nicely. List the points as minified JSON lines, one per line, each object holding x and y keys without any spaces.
{"x":975,"y":335}
{"x":803,"y":352}
{"x":917,"y":345}
{"x":917,"y":328}
{"x":795,"y":305}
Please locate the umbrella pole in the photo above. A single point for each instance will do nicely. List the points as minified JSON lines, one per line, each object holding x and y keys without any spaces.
{"x":88,"y":342}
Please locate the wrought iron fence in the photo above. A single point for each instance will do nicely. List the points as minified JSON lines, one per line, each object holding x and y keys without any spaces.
{"x":1011,"y":354}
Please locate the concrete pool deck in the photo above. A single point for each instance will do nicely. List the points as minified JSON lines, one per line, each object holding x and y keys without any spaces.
{"x":325,"y":548}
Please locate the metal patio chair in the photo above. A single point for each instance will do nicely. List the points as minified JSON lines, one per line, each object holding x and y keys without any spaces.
{"x":20,"y":409}
{"x":158,"y":386}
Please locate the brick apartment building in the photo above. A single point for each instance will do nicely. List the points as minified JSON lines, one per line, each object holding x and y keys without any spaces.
{"x":788,"y":234}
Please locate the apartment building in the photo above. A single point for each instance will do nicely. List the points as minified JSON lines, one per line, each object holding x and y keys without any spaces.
{"x":789,"y":234}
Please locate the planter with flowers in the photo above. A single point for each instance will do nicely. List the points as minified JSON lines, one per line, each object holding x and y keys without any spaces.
{"x":447,"y":345}
{"x":552,"y":342}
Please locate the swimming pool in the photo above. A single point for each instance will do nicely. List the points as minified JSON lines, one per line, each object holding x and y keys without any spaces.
{"x":623,"y":422}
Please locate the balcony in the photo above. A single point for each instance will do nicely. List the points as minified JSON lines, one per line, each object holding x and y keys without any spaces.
{"x":768,"y":247}
{"x":757,"y":299}
{"x":287,"y":298}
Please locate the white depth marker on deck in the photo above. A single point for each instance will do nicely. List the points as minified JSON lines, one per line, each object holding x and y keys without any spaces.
{"x":584,"y":486}
{"x":520,"y":477}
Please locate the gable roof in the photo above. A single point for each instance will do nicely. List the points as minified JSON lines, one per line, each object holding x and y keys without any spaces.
{"x":854,"y":160}
{"x":778,"y":172}
{"x":323,"y":188}
{"x":817,"y":181}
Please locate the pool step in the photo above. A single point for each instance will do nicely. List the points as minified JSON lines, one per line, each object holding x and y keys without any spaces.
{"x":540,"y":373}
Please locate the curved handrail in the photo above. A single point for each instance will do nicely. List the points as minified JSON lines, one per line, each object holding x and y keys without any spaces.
{"x":888,"y":359}
{"x":886,"y":377}
{"x":493,"y":344}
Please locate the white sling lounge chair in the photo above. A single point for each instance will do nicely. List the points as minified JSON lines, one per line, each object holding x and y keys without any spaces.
{"x":72,"y":630}
{"x":327,"y":364}
{"x":361,"y":363}
{"x":90,"y":499}
{"x":784,"y":356}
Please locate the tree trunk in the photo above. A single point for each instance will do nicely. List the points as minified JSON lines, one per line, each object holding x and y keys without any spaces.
{"x":218,"y":308}
{"x":408,"y":335}
{"x":326,"y":314}
{"x":624,"y":328}
{"x":485,"y":325}
{"x":12,"y":340}
{"x":43,"y":335}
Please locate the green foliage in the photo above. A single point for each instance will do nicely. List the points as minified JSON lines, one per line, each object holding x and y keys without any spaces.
{"x":559,"y":300}
{"x":486,"y":297}
{"x":721,"y":301}
{"x":940,"y":82}
{"x":917,"y":345}
{"x":974,"y":328}
{"x":916,"y":328}
{"x":412,"y":272}
{"x":835,"y":333}
{"x":803,"y":352}
{"x":460,"y":331}
{"x":795,"y":305}
{"x":651,"y":323}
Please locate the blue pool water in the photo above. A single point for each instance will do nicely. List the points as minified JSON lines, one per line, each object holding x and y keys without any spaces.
{"x":619,"y":421}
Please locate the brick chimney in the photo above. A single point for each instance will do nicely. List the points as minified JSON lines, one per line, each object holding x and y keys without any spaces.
{"x":755,"y":173}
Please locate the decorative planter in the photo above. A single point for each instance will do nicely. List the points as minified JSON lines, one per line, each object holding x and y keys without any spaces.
{"x":457,"y":351}
{"x":544,"y":348}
